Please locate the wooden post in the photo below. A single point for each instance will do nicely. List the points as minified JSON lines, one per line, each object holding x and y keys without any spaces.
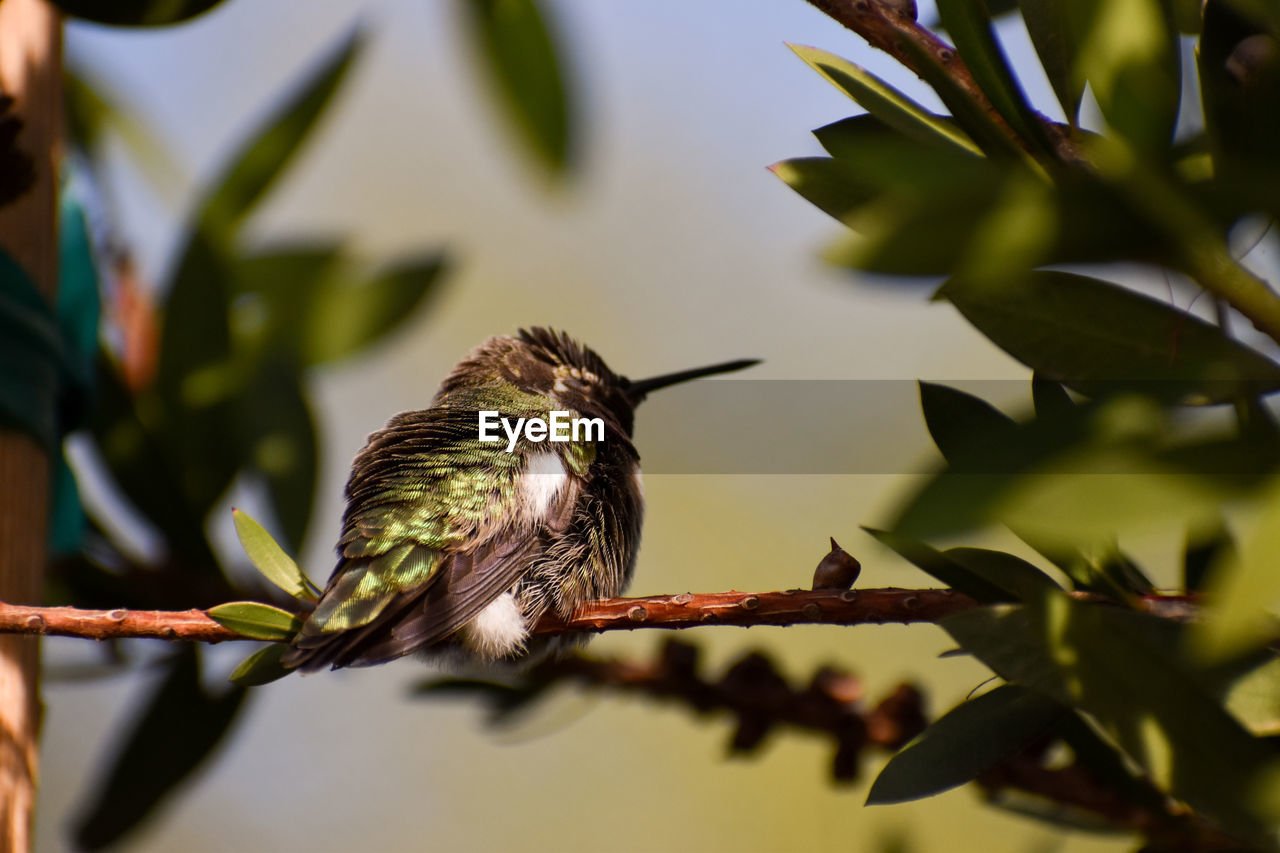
{"x":30,"y":72}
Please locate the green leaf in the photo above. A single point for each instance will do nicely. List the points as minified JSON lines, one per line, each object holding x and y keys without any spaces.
{"x":342,"y":320}
{"x":282,"y":442}
{"x":1239,"y":69}
{"x":136,"y":13}
{"x":1244,"y":587}
{"x":1050,"y":399}
{"x":1207,"y":545}
{"x":263,"y":159}
{"x":1123,"y":669}
{"x":255,"y":620}
{"x":969,"y":24}
{"x":196,"y":380}
{"x":1011,"y":573}
{"x":318,"y":306}
{"x":913,"y":234}
{"x":951,"y":572}
{"x":1074,"y":482}
{"x":833,"y":186}
{"x":91,"y":112}
{"x":1050,"y":26}
{"x":890,"y":162}
{"x":1085,"y":499}
{"x":179,"y":727}
{"x":1096,"y":337}
{"x":270,"y":559}
{"x":964,"y":427}
{"x":136,"y":457}
{"x":885,"y":102}
{"x":965,"y":741}
{"x":523,"y":58}
{"x":261,"y":667}
{"x":1254,"y":698}
{"x":971,"y":115}
{"x":1129,"y":54}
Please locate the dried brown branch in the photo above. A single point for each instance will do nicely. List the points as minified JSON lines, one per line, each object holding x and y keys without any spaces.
{"x":754,"y":693}
{"x":760,"y":700}
{"x":686,"y":610}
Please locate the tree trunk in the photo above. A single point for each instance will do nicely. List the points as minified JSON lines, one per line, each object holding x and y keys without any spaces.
{"x":30,"y":72}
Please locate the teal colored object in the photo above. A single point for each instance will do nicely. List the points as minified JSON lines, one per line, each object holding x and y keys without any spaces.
{"x":32,"y":361}
{"x":78,"y":313}
{"x":46,"y":359}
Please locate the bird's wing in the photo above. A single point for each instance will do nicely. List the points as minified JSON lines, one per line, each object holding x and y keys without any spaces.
{"x":432,"y":534}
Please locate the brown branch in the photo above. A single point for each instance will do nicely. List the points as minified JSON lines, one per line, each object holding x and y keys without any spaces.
{"x":752,"y":691}
{"x":887,"y":24}
{"x":190,"y":625}
{"x":760,"y":700}
{"x":686,"y":610}
{"x":788,"y":607}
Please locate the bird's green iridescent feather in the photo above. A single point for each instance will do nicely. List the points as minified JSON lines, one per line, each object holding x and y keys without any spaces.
{"x":426,"y":485}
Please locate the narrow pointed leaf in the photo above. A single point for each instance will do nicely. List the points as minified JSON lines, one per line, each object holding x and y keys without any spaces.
{"x":261,"y":667}
{"x":1050,"y":28}
{"x":965,"y":741}
{"x":969,"y":23}
{"x":344,"y":318}
{"x":178,"y":729}
{"x":1244,"y":590}
{"x":972,"y":116}
{"x":196,"y":381}
{"x":277,"y":432}
{"x":1050,"y":399}
{"x":1007,"y":571}
{"x":964,"y":427}
{"x":1208,"y":545}
{"x":255,"y":620}
{"x":91,"y":112}
{"x":523,"y":58}
{"x":833,"y":186}
{"x":1123,"y":669}
{"x":885,"y":102}
{"x":318,"y":305}
{"x":269,"y":558}
{"x":1096,"y":337}
{"x":952,"y":573}
{"x":1129,"y":55}
{"x":264,"y":158}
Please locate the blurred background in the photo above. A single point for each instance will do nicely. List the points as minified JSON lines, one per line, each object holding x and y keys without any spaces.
{"x":667,"y":245}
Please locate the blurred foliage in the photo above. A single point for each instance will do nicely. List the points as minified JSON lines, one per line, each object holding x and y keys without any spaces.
{"x":519,"y":49}
{"x":752,"y":692}
{"x":516,"y":43}
{"x":1143,"y":416}
{"x":136,"y":13}
{"x":1165,"y":426}
{"x":217,"y":399}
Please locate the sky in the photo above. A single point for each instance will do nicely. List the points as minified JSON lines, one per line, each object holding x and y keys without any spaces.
{"x":673,"y":247}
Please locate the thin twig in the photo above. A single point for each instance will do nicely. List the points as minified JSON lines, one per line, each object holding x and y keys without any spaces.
{"x":886,"y":26}
{"x":685,"y":610}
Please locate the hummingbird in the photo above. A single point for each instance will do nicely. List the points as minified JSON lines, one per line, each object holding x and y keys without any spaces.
{"x":456,"y":540}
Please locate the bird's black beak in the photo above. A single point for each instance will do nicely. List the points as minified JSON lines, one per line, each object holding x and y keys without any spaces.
{"x":639,"y":389}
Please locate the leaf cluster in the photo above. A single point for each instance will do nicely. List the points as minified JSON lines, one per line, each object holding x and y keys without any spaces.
{"x":1144,"y":417}
{"x":218,"y":399}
